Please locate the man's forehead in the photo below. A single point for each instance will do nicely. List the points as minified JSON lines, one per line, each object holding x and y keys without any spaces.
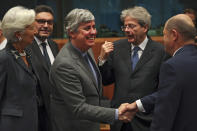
{"x":87,"y":23}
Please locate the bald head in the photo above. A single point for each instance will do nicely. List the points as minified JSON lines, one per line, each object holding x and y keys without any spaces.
{"x":183,"y":24}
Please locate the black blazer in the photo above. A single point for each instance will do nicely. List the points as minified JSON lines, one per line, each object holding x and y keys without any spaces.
{"x":131,"y":85}
{"x":175,"y":100}
{"x":43,"y":70}
{"x":18,"y":105}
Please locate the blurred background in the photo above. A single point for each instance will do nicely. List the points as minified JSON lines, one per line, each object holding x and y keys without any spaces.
{"x":107,"y":12}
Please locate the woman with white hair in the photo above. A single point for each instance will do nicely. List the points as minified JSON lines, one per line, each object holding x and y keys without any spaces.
{"x":18,"y":79}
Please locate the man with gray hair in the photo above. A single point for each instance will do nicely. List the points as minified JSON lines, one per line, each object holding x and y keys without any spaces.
{"x":3,"y":40}
{"x":133,"y":64}
{"x":76,"y":80}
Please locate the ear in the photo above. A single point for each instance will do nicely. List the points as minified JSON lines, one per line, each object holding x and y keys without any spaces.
{"x":146,"y":28}
{"x":174,"y":34}
{"x":17,"y":34}
{"x":71,"y":34}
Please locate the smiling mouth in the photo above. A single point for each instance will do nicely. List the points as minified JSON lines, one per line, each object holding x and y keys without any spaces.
{"x":90,"y":38}
{"x":45,"y":31}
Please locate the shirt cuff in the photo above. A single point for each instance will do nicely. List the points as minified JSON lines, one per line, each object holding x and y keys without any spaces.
{"x":101,"y":62}
{"x":116,"y":114}
{"x":140,"y":106}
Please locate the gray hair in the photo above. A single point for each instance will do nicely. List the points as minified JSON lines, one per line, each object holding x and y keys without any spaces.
{"x":75,"y":17}
{"x":139,"y":13}
{"x":16,"y":19}
{"x":185,"y":27}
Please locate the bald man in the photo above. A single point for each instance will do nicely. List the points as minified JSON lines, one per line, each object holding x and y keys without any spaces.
{"x":175,"y":101}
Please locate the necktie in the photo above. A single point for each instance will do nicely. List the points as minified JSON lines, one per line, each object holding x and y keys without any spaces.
{"x":45,"y":54}
{"x":135,"y":56}
{"x":91,"y":66}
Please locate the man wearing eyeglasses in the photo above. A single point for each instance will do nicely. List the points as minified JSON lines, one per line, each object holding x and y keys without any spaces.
{"x":44,"y":51}
{"x":133,"y":64}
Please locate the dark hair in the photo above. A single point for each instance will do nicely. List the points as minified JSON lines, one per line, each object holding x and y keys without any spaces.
{"x":189,"y":11}
{"x":43,"y":8}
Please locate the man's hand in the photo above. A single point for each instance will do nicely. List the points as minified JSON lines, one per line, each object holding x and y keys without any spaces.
{"x":126,"y":112}
{"x":132,"y":109}
{"x":122,"y":113}
{"x":106,"y":48}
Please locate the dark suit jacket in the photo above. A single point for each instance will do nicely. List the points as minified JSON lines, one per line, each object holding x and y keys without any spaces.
{"x":131,"y":85}
{"x":175,"y":101}
{"x":75,"y":103}
{"x":18,"y":105}
{"x":43,"y":71}
{"x":42,"y":68}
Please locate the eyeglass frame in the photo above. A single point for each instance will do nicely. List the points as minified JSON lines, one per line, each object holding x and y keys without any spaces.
{"x":129,"y":26}
{"x":43,"y":21}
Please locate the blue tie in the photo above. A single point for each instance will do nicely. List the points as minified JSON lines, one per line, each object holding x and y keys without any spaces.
{"x":135,"y":57}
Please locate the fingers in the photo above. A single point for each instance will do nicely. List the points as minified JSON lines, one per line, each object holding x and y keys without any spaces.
{"x":127,"y":111}
{"x":132,"y":107}
{"x":106,"y":48}
{"x":123,"y":108}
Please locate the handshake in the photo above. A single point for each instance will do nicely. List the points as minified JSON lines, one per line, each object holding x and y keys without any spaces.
{"x":126,"y":111}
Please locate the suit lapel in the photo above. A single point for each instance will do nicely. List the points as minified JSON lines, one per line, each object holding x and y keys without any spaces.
{"x":126,"y":55}
{"x":146,"y":56}
{"x":19,"y":61}
{"x":23,"y":65}
{"x":38,"y":53}
{"x":83,"y":64}
{"x":96,"y":70}
{"x":53,"y":48}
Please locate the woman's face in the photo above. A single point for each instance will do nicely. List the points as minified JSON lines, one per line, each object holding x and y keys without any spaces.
{"x":27,"y":36}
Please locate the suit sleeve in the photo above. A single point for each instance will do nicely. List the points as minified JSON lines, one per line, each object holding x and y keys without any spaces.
{"x":148,"y":102}
{"x":167,"y":102}
{"x":69,"y":85}
{"x":107,"y":71}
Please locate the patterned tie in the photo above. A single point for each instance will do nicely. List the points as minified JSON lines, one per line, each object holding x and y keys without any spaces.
{"x":135,"y":57}
{"x":45,"y":54}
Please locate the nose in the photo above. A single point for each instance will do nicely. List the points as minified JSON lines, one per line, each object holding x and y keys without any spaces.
{"x":93,"y":31}
{"x":46,"y":24}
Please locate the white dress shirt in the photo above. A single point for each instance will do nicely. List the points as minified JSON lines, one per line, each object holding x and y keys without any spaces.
{"x":49,"y":51}
{"x":3,"y":44}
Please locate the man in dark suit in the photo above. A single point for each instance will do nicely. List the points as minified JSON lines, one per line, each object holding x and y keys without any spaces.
{"x":44,"y":51}
{"x":133,"y":65}
{"x":175,"y":108}
{"x":76,"y":80}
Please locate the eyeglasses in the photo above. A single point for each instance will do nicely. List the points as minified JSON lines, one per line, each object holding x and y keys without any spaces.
{"x":129,"y":26}
{"x":42,"y":21}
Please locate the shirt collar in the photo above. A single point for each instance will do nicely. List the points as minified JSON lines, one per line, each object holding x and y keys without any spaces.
{"x":78,"y":50}
{"x":3,"y":44}
{"x":39,"y":41}
{"x":141,"y":45}
{"x":176,"y":51}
